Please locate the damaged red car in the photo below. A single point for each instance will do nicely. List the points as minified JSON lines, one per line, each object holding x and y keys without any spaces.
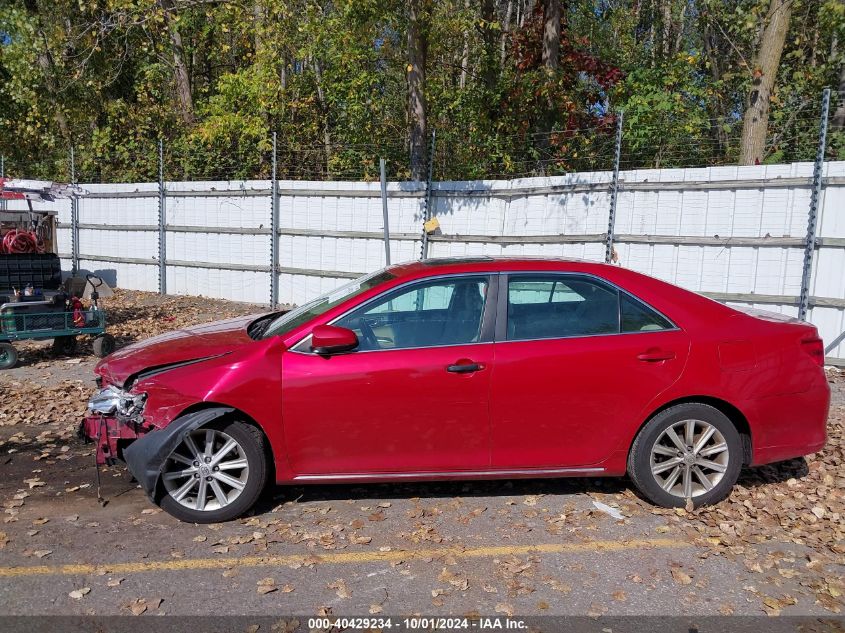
{"x":465,"y":369}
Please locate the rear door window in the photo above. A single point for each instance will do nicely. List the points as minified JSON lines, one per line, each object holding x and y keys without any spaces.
{"x":549,"y":306}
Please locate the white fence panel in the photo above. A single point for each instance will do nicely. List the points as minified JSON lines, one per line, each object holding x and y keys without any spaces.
{"x":735,"y":233}
{"x":828,"y":278}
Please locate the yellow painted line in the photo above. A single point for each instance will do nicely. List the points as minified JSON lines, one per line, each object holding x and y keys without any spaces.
{"x":338,"y":558}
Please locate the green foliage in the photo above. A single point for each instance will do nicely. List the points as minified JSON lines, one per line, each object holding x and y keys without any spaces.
{"x":330,"y":79}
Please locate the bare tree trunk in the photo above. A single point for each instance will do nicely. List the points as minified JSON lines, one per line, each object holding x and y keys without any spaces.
{"x":551,"y":34}
{"x":465,"y":53}
{"x":715,"y":105}
{"x":324,"y":109}
{"x":180,"y":69}
{"x":815,"y":45}
{"x":490,"y":38}
{"x":666,"y":28}
{"x":48,"y":70}
{"x":417,"y":53}
{"x":679,"y":31}
{"x":765,"y":68}
{"x":551,"y":62}
{"x":258,"y":26}
{"x":839,"y":114}
{"x":503,"y":44}
{"x":258,"y":19}
{"x":838,"y":122}
{"x":527,"y":10}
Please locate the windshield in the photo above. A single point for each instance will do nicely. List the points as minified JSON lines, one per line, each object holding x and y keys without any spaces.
{"x":296,"y":317}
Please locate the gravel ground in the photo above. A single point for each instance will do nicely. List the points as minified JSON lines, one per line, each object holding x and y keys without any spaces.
{"x":775,"y":546}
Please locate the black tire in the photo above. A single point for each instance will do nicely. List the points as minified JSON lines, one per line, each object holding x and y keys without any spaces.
{"x":103,"y":345}
{"x":640,"y":456}
{"x":64,"y":345}
{"x":254,"y":445}
{"x":8,"y":356}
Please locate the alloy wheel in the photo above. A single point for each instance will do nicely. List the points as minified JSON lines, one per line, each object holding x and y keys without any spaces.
{"x":689,"y":458}
{"x":207,"y":471}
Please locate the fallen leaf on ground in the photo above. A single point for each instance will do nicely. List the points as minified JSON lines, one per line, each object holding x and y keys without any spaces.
{"x":503,"y":607}
{"x":266,"y":585}
{"x":681,"y":576}
{"x":77,"y":594}
{"x":341,"y":588}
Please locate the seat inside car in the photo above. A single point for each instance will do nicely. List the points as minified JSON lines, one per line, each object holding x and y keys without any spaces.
{"x":450,"y":315}
{"x":595,"y":310}
{"x":465,"y":308}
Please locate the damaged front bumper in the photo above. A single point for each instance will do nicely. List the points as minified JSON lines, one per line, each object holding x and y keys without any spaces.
{"x":114,"y":418}
{"x":109,"y":434}
{"x":115,"y":423}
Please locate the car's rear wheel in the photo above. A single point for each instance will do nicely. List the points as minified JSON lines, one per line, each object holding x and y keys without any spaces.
{"x":216,"y":474}
{"x":688,"y":451}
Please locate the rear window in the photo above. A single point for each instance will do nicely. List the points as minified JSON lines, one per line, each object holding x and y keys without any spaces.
{"x":638,"y":317}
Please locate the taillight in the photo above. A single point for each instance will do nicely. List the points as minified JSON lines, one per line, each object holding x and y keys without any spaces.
{"x":815,"y":348}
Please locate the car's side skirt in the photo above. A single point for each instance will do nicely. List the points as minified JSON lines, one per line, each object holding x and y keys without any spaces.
{"x":457,"y":474}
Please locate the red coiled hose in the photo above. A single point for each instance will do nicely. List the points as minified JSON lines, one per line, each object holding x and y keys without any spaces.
{"x":17,"y":242}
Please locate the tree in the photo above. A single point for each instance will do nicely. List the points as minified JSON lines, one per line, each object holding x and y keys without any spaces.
{"x":417,"y":113}
{"x":835,"y":9}
{"x":839,"y":114}
{"x":551,"y":34}
{"x":513,"y":87}
{"x":48,"y":68}
{"x":180,"y":69}
{"x":764,"y":73}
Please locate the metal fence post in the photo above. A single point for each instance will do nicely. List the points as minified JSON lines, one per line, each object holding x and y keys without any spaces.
{"x":162,"y":223}
{"x":74,"y":219}
{"x":427,"y":207}
{"x":614,"y":190}
{"x":383,"y":171}
{"x":274,"y":232}
{"x":813,"y":216}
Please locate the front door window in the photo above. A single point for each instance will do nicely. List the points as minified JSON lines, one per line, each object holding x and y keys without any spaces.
{"x":428,"y":314}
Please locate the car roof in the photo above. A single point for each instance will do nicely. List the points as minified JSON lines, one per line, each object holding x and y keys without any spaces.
{"x":438,"y":265}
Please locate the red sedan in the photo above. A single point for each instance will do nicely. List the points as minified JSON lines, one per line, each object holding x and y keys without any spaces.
{"x":465,"y":369}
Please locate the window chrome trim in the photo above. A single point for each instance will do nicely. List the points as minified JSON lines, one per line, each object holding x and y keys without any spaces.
{"x":387,"y":349}
{"x":486,"y":330}
{"x":502,"y":317}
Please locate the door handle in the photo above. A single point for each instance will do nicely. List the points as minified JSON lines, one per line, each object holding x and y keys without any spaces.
{"x":655,"y":355}
{"x":464,"y":368}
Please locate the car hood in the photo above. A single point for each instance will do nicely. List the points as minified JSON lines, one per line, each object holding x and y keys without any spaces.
{"x":175,"y":348}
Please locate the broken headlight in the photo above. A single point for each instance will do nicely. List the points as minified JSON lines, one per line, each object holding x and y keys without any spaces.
{"x":115,"y":401}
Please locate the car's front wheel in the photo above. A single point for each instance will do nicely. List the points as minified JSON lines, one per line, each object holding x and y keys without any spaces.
{"x":688,"y":451}
{"x":216,"y":474}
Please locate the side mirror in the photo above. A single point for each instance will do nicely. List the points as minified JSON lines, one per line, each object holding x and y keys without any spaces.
{"x":329,"y":339}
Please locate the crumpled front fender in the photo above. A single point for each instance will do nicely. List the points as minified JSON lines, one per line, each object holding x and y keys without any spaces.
{"x":145,"y":456}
